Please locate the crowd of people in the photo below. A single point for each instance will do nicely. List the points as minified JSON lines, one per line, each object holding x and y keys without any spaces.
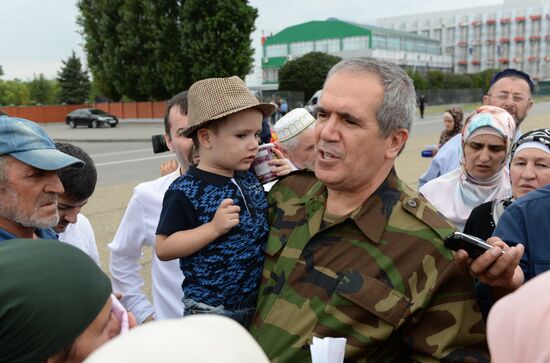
{"x":338,"y":247}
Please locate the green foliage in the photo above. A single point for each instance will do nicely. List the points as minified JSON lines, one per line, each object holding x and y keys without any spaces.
{"x":441,"y":80}
{"x":14,"y":92}
{"x":307,"y":73}
{"x":74,"y":84}
{"x":418,"y":81}
{"x":153,"y":49}
{"x":43,"y":91}
{"x":216,"y":37}
{"x":1,"y":71}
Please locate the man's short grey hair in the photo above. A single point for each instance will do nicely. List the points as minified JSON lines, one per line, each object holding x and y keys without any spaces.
{"x":399,"y":104}
{"x":293,"y":143}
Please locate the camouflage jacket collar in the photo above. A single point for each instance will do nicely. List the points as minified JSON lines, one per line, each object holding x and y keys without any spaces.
{"x":371,"y":218}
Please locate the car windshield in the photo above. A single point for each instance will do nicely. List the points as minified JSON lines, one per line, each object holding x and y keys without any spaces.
{"x":98,"y":112}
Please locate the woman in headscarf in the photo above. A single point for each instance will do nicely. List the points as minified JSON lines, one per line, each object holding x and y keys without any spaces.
{"x":482,"y":176}
{"x":529,"y":170}
{"x":452,"y":120}
{"x":55,"y":303}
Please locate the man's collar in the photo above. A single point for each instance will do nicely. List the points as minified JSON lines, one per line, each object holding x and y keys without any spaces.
{"x":371,"y":217}
{"x":213,"y":178}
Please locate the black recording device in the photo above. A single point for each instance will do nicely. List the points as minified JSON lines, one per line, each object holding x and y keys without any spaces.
{"x":159,"y":144}
{"x":462,"y":241}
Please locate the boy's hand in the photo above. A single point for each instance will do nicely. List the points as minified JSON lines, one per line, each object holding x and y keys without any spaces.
{"x":280,"y":166}
{"x":226,"y":217}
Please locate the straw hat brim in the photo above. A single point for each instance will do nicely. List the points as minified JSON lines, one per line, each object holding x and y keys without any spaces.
{"x":265,"y":108}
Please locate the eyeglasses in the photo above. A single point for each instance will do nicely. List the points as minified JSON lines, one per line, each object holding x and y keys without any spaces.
{"x":505,"y":96}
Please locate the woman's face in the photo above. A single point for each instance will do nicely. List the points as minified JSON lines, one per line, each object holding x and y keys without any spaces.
{"x":529,"y":170}
{"x":484,"y":155}
{"x":100,"y":331}
{"x":448,"y":122}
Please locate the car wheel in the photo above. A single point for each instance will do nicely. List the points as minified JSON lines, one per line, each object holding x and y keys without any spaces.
{"x":72,"y":124}
{"x":95,"y":125}
{"x":113,"y":125}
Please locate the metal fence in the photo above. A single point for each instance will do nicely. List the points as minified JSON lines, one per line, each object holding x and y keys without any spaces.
{"x":451,"y":96}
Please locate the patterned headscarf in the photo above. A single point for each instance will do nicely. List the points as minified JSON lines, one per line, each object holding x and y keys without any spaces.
{"x":457,"y":115}
{"x":456,"y":193}
{"x":541,"y":136}
{"x":497,"y":119}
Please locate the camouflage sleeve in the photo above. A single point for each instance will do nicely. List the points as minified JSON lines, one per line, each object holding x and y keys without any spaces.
{"x":449,"y":328}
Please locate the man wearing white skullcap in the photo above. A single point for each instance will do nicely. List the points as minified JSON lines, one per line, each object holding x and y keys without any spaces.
{"x":295,"y":137}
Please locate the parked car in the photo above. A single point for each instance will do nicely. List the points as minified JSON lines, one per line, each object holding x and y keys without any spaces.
{"x":312,"y":103}
{"x":91,"y":117}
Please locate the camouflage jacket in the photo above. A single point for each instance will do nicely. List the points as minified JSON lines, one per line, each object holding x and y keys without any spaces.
{"x":380,"y":278}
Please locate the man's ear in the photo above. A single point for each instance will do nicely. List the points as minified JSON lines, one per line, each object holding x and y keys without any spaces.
{"x":205,"y":138}
{"x":168,"y":142}
{"x":486,"y":100}
{"x":396,"y":141}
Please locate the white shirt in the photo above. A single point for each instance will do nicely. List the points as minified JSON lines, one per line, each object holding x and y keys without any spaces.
{"x":137,"y":230}
{"x":81,"y":235}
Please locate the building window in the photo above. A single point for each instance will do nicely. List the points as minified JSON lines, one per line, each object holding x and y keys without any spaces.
{"x":327,"y":45}
{"x":301,"y":48}
{"x":275,"y":50}
{"x":355,"y":43}
{"x":270,"y":75}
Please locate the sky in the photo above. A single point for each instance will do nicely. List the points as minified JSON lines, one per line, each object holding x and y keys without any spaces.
{"x":36,"y":35}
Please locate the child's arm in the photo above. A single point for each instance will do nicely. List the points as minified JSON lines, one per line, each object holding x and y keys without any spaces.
{"x":186,"y":243}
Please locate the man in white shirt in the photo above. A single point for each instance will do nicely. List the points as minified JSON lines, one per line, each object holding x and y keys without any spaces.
{"x":137,"y":230}
{"x":511,"y":90}
{"x":79,"y":184}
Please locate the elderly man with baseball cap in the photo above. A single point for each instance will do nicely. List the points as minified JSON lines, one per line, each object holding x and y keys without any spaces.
{"x":29,"y":184}
{"x":295,"y":132}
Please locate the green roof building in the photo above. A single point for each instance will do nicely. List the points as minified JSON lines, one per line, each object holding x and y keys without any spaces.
{"x":347,"y":40}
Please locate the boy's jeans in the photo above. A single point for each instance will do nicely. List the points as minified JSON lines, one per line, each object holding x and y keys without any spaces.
{"x":241,"y":313}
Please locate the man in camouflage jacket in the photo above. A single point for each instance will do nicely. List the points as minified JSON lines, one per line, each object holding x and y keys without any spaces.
{"x":353,"y":252}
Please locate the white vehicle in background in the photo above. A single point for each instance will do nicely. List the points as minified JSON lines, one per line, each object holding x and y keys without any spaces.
{"x":312,"y":103}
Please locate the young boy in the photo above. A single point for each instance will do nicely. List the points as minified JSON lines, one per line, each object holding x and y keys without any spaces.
{"x":214,"y":217}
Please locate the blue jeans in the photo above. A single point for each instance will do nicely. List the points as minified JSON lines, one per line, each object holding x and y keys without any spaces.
{"x":242,"y":314}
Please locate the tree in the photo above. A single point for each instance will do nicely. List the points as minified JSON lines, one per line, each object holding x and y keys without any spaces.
{"x":14,"y":92}
{"x":98,"y":20}
{"x":307,"y":73}
{"x":42,"y":90}
{"x":74,"y":84}
{"x":1,"y":71}
{"x":153,"y":49}
{"x":215,"y":35}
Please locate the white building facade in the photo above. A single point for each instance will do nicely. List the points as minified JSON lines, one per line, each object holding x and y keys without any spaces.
{"x":515,"y":34}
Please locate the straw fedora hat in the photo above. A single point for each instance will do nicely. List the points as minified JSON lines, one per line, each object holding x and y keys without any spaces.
{"x":213,"y":98}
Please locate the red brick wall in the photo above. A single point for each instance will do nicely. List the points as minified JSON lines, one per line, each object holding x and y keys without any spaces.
{"x":56,"y":113}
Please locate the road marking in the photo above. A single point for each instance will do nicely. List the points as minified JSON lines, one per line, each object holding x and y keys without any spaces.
{"x":121,"y":152}
{"x":135,"y":160}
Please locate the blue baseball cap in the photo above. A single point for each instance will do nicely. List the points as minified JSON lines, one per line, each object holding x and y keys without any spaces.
{"x":29,"y":143}
{"x":512,"y":72}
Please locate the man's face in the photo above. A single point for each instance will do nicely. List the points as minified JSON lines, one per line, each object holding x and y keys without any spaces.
{"x":68,"y":212}
{"x":511,"y":94}
{"x":350,"y":150}
{"x":29,"y":195}
{"x":180,"y":145}
{"x":303,"y":154}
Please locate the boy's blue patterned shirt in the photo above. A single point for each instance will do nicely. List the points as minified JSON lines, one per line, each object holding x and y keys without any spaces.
{"x":227,"y":271}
